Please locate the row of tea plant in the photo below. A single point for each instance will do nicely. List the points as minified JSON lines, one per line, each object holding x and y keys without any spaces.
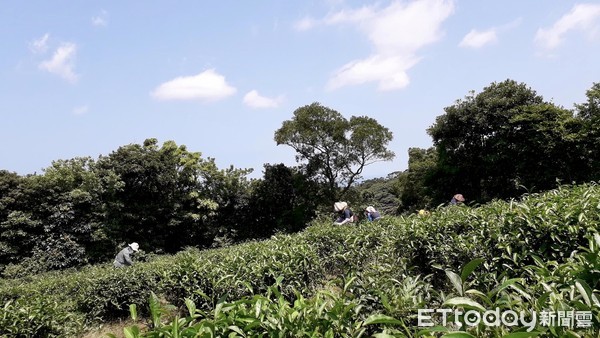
{"x":536,"y":254}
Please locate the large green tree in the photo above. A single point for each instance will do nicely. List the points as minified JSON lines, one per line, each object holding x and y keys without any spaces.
{"x":503,"y":141}
{"x":160,"y":204}
{"x":332,"y":148}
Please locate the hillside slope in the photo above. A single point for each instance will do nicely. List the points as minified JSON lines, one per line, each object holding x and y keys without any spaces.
{"x":532,"y":255}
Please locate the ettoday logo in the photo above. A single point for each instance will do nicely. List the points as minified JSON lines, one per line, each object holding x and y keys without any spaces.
{"x":507,"y":318}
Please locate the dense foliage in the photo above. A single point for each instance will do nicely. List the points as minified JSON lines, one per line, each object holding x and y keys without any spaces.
{"x":538,"y":253}
{"x":381,"y":193}
{"x":500,"y":143}
{"x":166,"y":198}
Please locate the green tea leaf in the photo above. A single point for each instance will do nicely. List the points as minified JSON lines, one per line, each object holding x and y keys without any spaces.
{"x":432,"y":329}
{"x":237,"y":330}
{"x":469,"y":267}
{"x":382,"y":319}
{"x":465,"y":302}
{"x":522,"y":334}
{"x":585,"y":291}
{"x":133,"y":311}
{"x":458,"y":335}
{"x":131,"y":332}
{"x":190,"y":306}
{"x":456,"y":282}
{"x":505,"y":284}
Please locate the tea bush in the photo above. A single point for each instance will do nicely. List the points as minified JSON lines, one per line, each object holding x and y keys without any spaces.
{"x":536,"y":253}
{"x":39,"y":317}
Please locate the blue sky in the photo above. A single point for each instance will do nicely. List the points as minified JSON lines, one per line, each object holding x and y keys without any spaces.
{"x":81,"y":78}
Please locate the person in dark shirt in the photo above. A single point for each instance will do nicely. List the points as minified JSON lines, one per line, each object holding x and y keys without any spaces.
{"x":457,"y":199}
{"x":345,"y":215}
{"x":372,"y":214}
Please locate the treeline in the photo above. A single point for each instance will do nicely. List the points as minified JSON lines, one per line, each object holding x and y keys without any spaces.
{"x":165,"y":197}
{"x":497,"y":144}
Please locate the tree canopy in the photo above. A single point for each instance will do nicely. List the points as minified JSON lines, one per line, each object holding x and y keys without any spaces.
{"x":333,"y":148}
{"x":500,"y":143}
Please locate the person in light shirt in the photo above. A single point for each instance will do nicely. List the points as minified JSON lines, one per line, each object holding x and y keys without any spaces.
{"x":124,"y":256}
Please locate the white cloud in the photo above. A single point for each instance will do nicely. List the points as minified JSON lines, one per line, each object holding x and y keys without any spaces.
{"x":397,"y":33}
{"x":390,"y":72}
{"x":584,"y":17}
{"x":40,"y":45}
{"x":254,"y":100}
{"x":100,"y":20}
{"x":476,"y":39}
{"x":81,"y":110}
{"x":206,"y":86}
{"x":62,"y":62}
{"x":305,"y":24}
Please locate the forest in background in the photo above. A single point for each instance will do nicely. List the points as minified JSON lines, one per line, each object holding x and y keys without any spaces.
{"x":496,"y":144}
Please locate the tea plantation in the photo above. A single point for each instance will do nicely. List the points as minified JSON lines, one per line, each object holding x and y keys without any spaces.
{"x":538,"y":255}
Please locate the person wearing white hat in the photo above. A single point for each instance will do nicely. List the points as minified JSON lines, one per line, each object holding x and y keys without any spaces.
{"x":124,"y":256}
{"x":345,"y":215}
{"x":372,"y":214}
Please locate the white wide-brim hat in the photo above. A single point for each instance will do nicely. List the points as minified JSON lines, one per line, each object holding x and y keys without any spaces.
{"x":339,"y":206}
